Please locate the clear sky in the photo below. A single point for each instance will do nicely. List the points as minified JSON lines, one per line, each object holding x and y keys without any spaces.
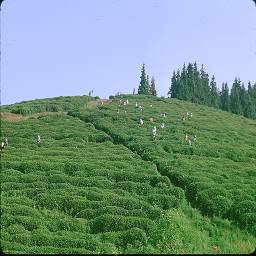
{"x":68,"y":47}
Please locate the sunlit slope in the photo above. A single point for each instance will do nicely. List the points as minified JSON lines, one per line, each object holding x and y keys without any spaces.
{"x":98,"y":184}
{"x":73,"y":186}
{"x":217,"y":173}
{"x":55,"y":104}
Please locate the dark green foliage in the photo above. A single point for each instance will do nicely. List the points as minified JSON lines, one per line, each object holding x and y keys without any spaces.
{"x":235,"y":98}
{"x":192,"y":85}
{"x":144,"y":83}
{"x":152,"y":87}
{"x":106,"y":223}
{"x":224,"y":98}
{"x":134,"y":236}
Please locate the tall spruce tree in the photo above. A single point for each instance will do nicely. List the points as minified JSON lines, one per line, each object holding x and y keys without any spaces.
{"x":249,"y":107}
{"x":173,"y":88}
{"x":205,"y":89}
{"x":224,"y":97}
{"x":196,"y":84}
{"x":152,"y":88}
{"x":147,"y":84}
{"x":235,"y":102}
{"x":182,"y":92}
{"x":143,"y":89}
{"x":243,"y":98}
{"x":213,"y":97}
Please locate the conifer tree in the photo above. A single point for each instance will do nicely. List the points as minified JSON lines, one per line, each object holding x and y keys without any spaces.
{"x":147,"y":85}
{"x":204,"y":77}
{"x":249,"y":107}
{"x":152,"y":88}
{"x":235,"y":102}
{"x":182,"y":92}
{"x":196,"y":85}
{"x":213,"y":97}
{"x":190,"y":84}
{"x":143,"y":89}
{"x":224,"y":97}
{"x":173,"y":88}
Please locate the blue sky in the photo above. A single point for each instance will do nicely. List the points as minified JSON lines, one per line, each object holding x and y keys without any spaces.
{"x":60,"y":47}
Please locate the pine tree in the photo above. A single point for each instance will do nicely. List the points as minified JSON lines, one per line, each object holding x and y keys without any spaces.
{"x":152,"y":88}
{"x":190,"y":83}
{"x":224,"y":97}
{"x":147,"y":85}
{"x":213,"y":99}
{"x":243,"y":98}
{"x":205,"y":89}
{"x":235,"y":102}
{"x":196,"y":84}
{"x":182,"y":92}
{"x":249,"y":107}
{"x":143,"y":82}
{"x":173,"y":88}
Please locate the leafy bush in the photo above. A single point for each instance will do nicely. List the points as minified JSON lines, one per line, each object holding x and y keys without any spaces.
{"x":108,"y":222}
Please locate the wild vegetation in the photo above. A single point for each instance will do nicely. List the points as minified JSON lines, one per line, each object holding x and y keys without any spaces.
{"x":98,"y":184}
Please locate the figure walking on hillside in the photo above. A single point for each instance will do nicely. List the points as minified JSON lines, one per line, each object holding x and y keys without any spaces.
{"x":183,"y":117}
{"x":141,"y":121}
{"x":136,"y":104}
{"x":154,"y":133}
{"x":151,"y":119}
{"x":2,"y":146}
{"x":38,"y":139}
{"x":6,"y":142}
{"x":162,"y":125}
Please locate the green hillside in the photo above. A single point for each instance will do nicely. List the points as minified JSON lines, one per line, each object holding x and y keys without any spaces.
{"x":97,"y":183}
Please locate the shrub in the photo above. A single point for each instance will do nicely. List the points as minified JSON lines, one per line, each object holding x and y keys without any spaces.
{"x":133,"y":236}
{"x":108,"y":222}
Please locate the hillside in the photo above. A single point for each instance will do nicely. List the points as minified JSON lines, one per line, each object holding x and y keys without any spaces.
{"x":97,"y":183}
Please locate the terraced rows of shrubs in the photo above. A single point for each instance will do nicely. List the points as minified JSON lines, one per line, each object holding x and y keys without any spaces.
{"x":77,"y":189}
{"x":48,"y":105}
{"x":217,"y":173}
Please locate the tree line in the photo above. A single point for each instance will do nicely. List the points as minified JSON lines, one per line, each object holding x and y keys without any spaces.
{"x":194,"y":85}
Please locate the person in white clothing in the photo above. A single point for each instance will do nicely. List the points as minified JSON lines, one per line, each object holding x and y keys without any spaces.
{"x":154,"y":133}
{"x":141,"y":121}
{"x":38,"y":139}
{"x":162,"y":125}
{"x":5,"y":142}
{"x":2,"y":146}
{"x":136,"y":104}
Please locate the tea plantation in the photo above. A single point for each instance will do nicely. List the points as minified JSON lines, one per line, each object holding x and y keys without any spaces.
{"x":97,"y":183}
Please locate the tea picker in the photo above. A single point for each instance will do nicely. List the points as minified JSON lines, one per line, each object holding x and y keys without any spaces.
{"x":38,"y":139}
{"x":154,"y":133}
{"x":2,"y":146}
